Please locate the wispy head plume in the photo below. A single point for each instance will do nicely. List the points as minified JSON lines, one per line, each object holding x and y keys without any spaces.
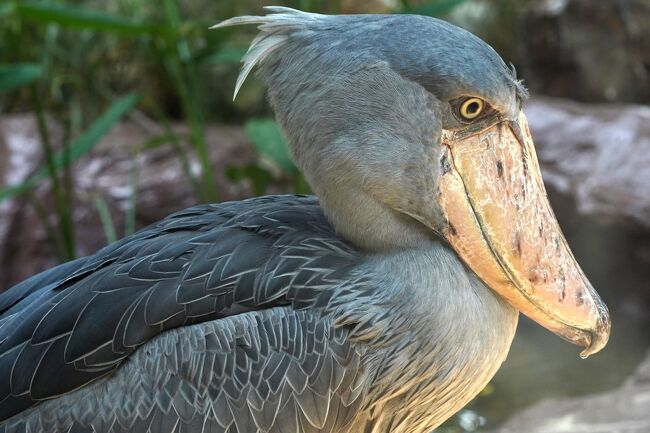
{"x":275,"y":29}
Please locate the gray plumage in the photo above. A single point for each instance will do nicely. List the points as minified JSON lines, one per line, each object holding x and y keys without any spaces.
{"x":285,"y":314}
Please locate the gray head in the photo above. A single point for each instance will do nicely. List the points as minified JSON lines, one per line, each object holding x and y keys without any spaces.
{"x":363,"y":100}
{"x":410,"y":130}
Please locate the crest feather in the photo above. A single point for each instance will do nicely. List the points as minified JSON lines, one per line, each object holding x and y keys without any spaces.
{"x":275,"y":28}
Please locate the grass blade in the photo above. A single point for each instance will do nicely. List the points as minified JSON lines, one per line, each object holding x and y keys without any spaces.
{"x":433,"y":8}
{"x":78,"y":147}
{"x":181,"y":69}
{"x":62,"y":199}
{"x":82,"y":18}
{"x":106,"y":219}
{"x":84,"y":143}
{"x":16,"y":75}
{"x":129,"y":222}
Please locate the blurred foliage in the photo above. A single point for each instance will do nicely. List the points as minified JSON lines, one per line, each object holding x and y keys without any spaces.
{"x":16,"y":75}
{"x":431,"y":8}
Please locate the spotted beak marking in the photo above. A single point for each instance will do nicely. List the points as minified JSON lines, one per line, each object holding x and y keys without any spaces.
{"x":501,"y":224}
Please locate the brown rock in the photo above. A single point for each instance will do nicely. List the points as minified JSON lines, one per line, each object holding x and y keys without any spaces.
{"x":597,"y":154}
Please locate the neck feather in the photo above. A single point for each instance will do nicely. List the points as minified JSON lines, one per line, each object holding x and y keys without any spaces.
{"x":369,"y":224}
{"x":456,"y":334}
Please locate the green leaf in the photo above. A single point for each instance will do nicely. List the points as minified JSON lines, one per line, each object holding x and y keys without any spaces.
{"x":16,"y":75}
{"x":70,"y":16}
{"x":270,"y":144}
{"x":434,"y":8}
{"x":79,"y":147}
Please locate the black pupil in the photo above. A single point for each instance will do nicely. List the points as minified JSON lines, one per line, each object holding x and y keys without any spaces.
{"x":472,"y":108}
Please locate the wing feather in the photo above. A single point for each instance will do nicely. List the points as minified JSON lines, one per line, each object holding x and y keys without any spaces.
{"x":70,"y":326}
{"x":170,"y":389}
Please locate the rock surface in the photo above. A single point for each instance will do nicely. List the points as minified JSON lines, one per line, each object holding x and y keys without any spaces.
{"x":624,"y":410}
{"x":597,"y":154}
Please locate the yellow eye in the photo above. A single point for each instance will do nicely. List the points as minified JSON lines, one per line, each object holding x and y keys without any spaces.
{"x":471,"y":108}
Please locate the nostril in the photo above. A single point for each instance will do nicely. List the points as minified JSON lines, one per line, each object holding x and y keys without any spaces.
{"x":516,"y":129}
{"x":445,"y":166}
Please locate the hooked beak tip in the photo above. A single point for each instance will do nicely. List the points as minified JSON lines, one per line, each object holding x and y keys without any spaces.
{"x":599,"y":336}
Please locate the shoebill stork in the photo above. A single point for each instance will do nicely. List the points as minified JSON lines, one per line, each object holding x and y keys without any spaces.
{"x":382,"y":304}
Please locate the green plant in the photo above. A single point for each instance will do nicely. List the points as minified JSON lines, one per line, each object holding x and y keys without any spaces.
{"x":171,"y":40}
{"x":56,"y":169}
{"x":68,"y":84}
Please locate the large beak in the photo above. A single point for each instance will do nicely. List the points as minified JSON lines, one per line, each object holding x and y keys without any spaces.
{"x":501,"y":224}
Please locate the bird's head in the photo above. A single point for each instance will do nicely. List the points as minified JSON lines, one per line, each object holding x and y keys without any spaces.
{"x":410,"y":129}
